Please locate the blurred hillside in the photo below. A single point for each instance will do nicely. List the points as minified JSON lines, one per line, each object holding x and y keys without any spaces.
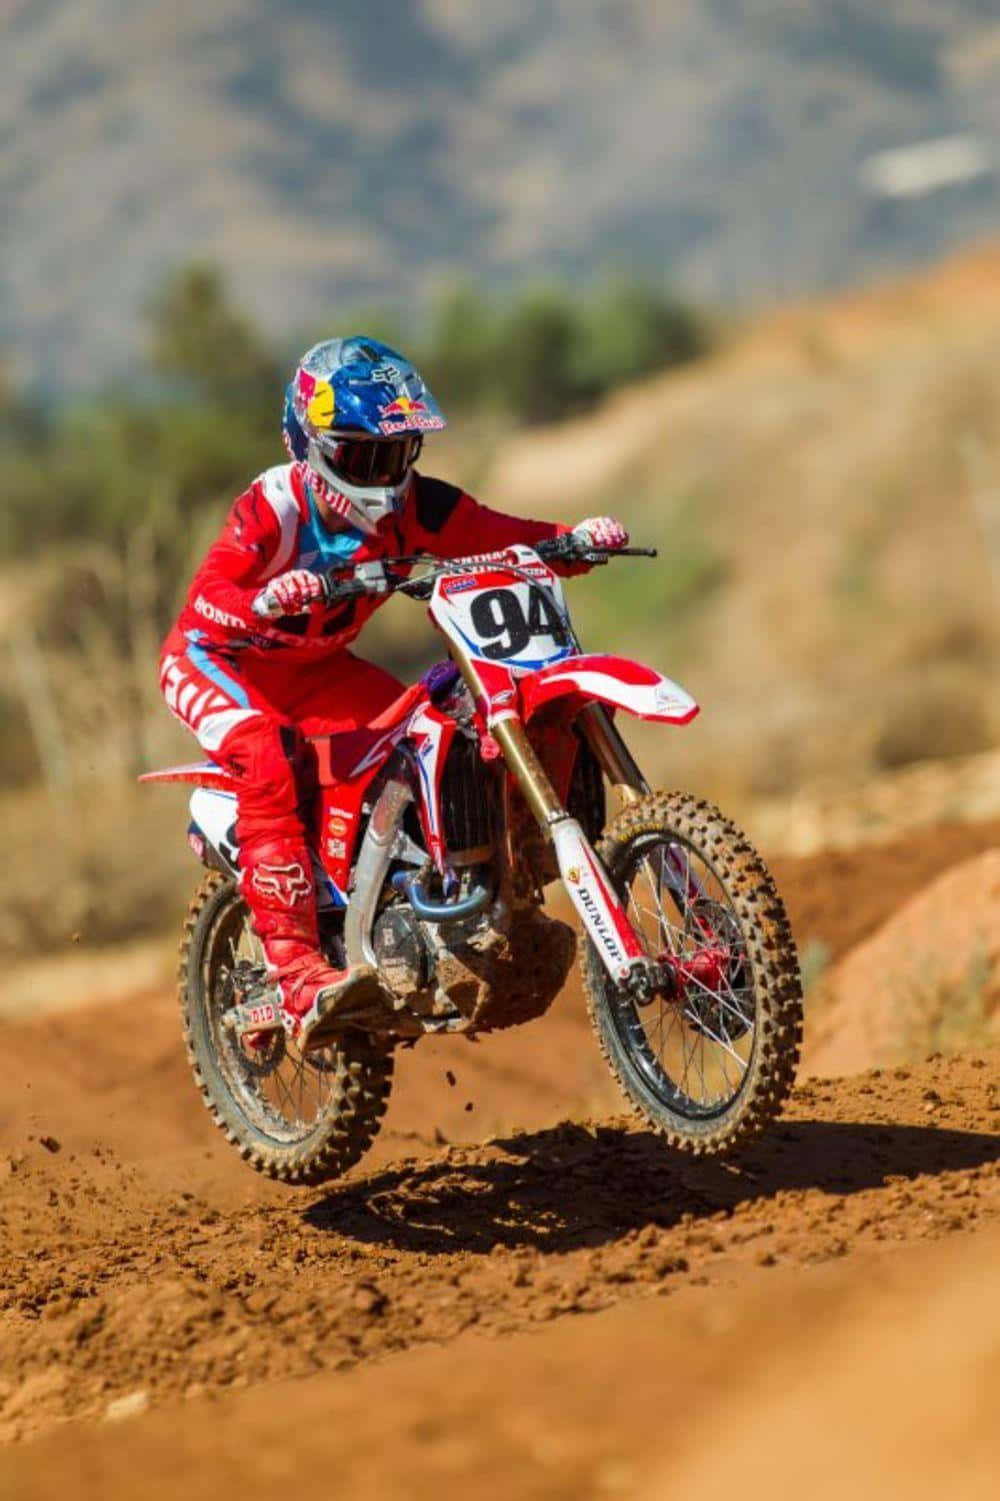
{"x":824,"y":489}
{"x":826,"y":495}
{"x":323,"y":152}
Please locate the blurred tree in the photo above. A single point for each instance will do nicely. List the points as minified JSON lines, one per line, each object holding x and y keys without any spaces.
{"x":201,"y":340}
{"x":630,"y":330}
{"x":536,"y":355}
{"x":461,"y":354}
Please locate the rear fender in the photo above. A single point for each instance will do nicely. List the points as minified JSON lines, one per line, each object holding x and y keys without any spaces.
{"x":199,"y":774}
{"x":616,"y":681}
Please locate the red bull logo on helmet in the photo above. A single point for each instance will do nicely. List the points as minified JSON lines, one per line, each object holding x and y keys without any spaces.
{"x":403,"y":406}
{"x":408,"y":414}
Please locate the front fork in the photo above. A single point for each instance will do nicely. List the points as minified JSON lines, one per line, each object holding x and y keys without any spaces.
{"x":603,"y":917}
{"x":619,"y":766}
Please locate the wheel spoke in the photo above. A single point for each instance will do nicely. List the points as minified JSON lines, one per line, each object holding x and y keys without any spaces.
{"x":678,"y":907}
{"x":277,"y":1089}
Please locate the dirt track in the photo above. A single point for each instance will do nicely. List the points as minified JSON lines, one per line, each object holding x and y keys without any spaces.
{"x":139,"y":1256}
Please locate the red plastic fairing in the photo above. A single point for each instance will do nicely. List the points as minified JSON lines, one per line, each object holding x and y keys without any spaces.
{"x":200,"y":774}
{"x":617,"y":681}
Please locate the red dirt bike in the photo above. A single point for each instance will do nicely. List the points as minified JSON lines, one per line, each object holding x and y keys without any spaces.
{"x":435,"y":831}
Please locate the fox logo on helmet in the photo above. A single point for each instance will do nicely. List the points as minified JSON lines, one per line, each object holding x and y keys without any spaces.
{"x":287,"y":884}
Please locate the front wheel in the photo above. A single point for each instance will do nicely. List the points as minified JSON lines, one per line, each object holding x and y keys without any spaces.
{"x":301,"y":1118}
{"x":710,"y":1061}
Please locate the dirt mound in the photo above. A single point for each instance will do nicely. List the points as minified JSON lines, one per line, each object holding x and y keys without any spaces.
{"x":929,"y":976}
{"x":886,"y":807}
{"x":839,"y":897}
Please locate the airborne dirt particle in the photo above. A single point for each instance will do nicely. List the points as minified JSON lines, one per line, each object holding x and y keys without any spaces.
{"x":50,"y":1143}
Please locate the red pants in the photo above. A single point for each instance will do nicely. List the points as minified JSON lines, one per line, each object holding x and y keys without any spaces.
{"x":250,"y":715}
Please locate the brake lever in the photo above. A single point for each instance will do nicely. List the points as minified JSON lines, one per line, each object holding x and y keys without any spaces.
{"x":367,"y":578}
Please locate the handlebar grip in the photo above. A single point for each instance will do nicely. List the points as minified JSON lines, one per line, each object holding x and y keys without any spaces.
{"x":266,"y":607}
{"x":367,"y":578}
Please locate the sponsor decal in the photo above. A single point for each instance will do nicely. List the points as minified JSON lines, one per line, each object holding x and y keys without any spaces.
{"x":506,"y":555}
{"x":219,"y":617}
{"x":338,"y":824}
{"x":598,"y":925}
{"x":264,"y":1015}
{"x":287,"y":884}
{"x":322,"y":405}
{"x":402,"y":406}
{"x":458,"y":586}
{"x":573,"y":874}
{"x":336,"y":849}
{"x":504,"y":697}
{"x":421,"y":422}
{"x":664,"y":696}
{"x":385,"y":373}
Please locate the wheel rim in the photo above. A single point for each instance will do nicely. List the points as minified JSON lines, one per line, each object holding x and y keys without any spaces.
{"x":692,"y":1050}
{"x":283,"y":1093}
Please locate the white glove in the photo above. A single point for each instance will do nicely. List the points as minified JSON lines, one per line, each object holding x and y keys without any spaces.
{"x":601,"y":531}
{"x":292,"y":593}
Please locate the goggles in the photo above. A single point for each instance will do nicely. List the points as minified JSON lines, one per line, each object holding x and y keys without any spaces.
{"x":371,"y":461}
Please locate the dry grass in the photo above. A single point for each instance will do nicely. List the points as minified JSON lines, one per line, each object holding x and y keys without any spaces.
{"x":109,"y":861}
{"x":941,"y":1015}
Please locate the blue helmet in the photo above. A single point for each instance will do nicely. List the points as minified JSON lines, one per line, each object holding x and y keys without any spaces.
{"x":355,"y":415}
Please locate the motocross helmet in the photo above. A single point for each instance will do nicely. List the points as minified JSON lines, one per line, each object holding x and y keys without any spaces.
{"x":355,"y":415}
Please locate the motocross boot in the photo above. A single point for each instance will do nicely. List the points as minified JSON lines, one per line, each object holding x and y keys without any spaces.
{"x":316,"y":1000}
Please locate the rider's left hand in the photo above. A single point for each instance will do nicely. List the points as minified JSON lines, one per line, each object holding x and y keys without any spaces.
{"x":601,"y":532}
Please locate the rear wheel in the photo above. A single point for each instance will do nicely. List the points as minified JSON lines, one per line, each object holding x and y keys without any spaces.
{"x":301,"y":1118}
{"x":710,"y":1061}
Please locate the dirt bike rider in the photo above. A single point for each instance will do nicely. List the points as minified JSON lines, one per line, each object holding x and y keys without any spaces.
{"x":258,"y":659}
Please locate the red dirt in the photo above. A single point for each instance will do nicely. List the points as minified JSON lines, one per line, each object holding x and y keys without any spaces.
{"x":928,"y":977}
{"x":840,"y":897}
{"x":138,"y":1255}
{"x":885,"y":1367}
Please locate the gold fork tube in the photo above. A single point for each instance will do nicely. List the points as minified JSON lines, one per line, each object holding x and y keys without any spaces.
{"x":613,"y":755}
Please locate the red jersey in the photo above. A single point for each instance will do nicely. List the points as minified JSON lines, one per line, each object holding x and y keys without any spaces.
{"x":275,"y":526}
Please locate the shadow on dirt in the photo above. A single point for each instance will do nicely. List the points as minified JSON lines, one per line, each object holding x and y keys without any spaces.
{"x":569,"y":1187}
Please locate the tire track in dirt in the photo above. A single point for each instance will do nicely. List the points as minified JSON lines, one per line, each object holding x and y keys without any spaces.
{"x":115,"y":1279}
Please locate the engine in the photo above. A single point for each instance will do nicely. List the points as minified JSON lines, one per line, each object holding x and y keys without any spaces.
{"x":506,"y":963}
{"x":400,"y":949}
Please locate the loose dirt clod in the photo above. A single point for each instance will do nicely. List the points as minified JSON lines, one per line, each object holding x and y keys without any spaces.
{"x":126,"y":1407}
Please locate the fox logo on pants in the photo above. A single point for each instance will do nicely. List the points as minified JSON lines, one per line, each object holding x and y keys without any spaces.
{"x":287,"y":884}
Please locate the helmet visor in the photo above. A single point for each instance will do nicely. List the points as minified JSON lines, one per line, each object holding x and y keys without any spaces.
{"x":372,"y":461}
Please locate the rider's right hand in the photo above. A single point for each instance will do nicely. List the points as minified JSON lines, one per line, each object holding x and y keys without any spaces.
{"x":292,"y":593}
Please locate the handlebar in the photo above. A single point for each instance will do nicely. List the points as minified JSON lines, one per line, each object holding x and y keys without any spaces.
{"x":381,"y":577}
{"x":568,"y":548}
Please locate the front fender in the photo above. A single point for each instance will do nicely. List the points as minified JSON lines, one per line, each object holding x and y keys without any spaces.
{"x":616,"y":681}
